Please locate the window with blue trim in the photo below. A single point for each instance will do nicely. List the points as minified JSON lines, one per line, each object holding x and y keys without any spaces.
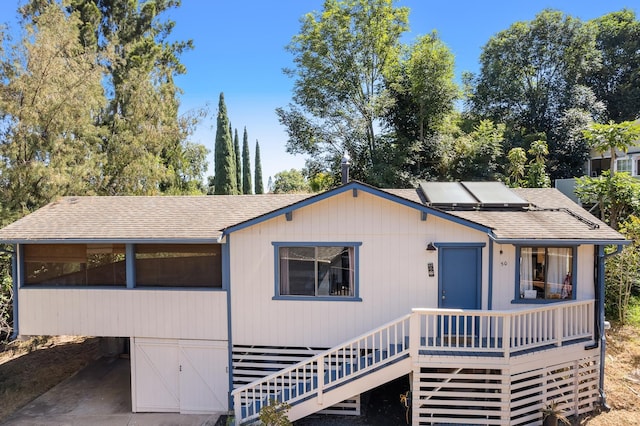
{"x":316,"y":270}
{"x":546,"y":273}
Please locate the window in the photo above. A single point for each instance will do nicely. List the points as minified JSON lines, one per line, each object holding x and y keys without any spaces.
{"x":178,"y":265}
{"x":624,"y":165}
{"x":546,"y":273}
{"x":316,"y":270}
{"x":74,"y":264}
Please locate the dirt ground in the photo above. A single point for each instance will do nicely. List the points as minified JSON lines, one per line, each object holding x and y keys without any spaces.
{"x":29,"y":368}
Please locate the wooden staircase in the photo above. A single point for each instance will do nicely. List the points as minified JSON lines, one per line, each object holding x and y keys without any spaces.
{"x":332,"y":376}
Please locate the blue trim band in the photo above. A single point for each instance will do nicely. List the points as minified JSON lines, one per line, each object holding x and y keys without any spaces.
{"x":130,"y":265}
{"x":226,"y":284}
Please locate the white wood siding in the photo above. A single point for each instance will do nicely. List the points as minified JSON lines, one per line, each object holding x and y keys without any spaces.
{"x":127,"y":312}
{"x":392,"y":271}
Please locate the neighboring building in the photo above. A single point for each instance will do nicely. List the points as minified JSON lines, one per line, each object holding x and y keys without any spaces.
{"x":628,"y":162}
{"x":491,"y":300}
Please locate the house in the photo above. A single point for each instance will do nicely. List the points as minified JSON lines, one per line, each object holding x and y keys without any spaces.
{"x":628,"y":162}
{"x":489,"y":299}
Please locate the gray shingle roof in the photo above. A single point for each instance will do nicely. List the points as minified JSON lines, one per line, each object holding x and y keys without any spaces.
{"x":142,"y":218}
{"x":202,"y":218}
{"x":547,"y":220}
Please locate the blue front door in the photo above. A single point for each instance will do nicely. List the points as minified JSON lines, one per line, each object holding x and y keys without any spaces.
{"x":460,"y":277}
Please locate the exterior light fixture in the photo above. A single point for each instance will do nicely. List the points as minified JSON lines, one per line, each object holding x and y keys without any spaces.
{"x":431,"y":247}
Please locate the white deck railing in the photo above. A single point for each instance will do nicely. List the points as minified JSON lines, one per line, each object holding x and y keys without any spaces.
{"x":502,"y":332}
{"x":424,"y":331}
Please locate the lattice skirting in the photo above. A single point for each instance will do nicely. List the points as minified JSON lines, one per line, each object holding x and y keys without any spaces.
{"x":513,"y":395}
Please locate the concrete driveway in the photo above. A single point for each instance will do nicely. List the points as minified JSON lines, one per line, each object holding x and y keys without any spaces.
{"x":100,"y":394}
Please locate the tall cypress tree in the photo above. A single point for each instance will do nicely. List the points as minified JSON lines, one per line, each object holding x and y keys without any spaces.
{"x":258,"y":174}
{"x":246,"y":165}
{"x":236,"y":152}
{"x":225,"y":178}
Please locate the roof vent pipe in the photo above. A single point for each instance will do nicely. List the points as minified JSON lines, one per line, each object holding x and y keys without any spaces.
{"x":346,"y":163}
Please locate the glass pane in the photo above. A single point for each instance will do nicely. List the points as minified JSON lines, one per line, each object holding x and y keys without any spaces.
{"x":559,"y":274}
{"x":75,"y":264}
{"x":178,"y":265}
{"x":342,"y":272}
{"x":527,"y":274}
{"x":297,"y":271}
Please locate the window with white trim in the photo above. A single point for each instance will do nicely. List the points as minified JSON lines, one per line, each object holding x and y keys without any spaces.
{"x":546,"y":273}
{"x":624,"y":165}
{"x":316,"y":270}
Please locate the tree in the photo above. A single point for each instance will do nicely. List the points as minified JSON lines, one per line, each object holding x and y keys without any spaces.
{"x":424,"y":94}
{"x":246,"y":165}
{"x":537,"y":176}
{"x":529,"y":77}
{"x":258,"y":173}
{"x":475,"y":155}
{"x":238,"y":161}
{"x":50,"y":92}
{"x":622,"y":273}
{"x":144,"y":138}
{"x":516,"y":169}
{"x":617,"y":81}
{"x":611,"y":137}
{"x":616,"y":196}
{"x":288,"y":181}
{"x":341,"y":57}
{"x":225,"y":172}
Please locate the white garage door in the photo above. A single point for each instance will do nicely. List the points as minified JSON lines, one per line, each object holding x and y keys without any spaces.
{"x":186,"y":376}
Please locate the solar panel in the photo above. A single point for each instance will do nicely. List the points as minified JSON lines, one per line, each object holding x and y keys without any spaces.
{"x":447,"y":194}
{"x":494,"y":194}
{"x":470,"y":195}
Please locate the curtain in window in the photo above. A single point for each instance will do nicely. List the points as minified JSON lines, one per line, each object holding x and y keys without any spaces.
{"x":526,"y":269}
{"x":352,"y":268}
{"x":284,"y":270}
{"x":559,"y":267}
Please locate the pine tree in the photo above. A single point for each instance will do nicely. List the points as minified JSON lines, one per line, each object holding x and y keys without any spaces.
{"x":258,"y":174}
{"x":236,"y":152}
{"x":246,"y":165}
{"x":225,"y":173}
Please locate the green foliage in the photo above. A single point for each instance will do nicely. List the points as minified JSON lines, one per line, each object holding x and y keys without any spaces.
{"x":342,"y":55}
{"x":623,"y":276}
{"x":275,"y":414}
{"x":423,"y":91}
{"x":246,"y":165}
{"x":225,"y":171}
{"x":531,"y":80}
{"x":537,"y":176}
{"x":237,"y":161}
{"x":290,"y":181}
{"x":617,"y":81}
{"x":50,"y":92}
{"x":6,"y":297}
{"x":516,"y":169}
{"x":258,"y":173}
{"x":476,"y":155}
{"x":616,"y":196}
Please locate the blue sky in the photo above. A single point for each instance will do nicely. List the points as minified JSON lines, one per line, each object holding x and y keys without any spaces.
{"x":239,"y":50}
